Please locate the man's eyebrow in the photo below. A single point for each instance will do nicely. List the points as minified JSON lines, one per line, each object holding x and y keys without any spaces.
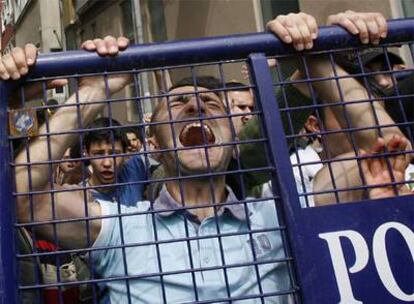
{"x":179,"y":97}
{"x":209,"y":95}
{"x":205,"y":95}
{"x":201,"y":95}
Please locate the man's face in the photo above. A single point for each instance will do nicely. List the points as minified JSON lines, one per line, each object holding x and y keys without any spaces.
{"x":187,"y":135}
{"x":105,"y":169}
{"x":384,"y":80}
{"x":134,"y":144}
{"x":241,"y":102}
{"x":68,"y":166}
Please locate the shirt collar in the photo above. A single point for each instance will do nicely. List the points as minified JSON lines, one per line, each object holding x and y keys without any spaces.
{"x":165,"y":201}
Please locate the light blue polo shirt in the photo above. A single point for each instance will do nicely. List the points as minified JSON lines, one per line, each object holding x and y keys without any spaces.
{"x":166,"y":269}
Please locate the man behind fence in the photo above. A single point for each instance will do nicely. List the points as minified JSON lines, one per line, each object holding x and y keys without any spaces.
{"x":106,"y":138}
{"x":167,"y":251}
{"x":165,"y":270}
{"x":340,"y":146}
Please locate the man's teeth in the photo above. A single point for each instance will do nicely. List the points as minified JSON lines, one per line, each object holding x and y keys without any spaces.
{"x":192,"y":135}
{"x":197,"y":125}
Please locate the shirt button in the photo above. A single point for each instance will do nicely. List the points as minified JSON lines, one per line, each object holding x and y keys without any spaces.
{"x":206,"y":260}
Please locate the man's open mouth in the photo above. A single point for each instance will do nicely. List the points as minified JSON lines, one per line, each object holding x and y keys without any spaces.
{"x":107,"y":174}
{"x":192,"y":135}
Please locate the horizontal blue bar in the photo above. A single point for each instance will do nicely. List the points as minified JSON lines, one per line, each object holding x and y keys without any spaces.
{"x":203,"y":50}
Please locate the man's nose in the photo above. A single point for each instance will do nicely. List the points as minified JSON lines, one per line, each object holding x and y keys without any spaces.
{"x":195,"y":106}
{"x":246,"y":118}
{"x":384,"y":81}
{"x":107,"y":162}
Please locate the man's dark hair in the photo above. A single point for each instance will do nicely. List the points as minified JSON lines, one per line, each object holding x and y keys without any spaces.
{"x":237,"y":86}
{"x":136,"y":131}
{"x":350,"y":62}
{"x":75,"y":150}
{"x":401,"y":109}
{"x":208,"y":82}
{"x":107,"y":133}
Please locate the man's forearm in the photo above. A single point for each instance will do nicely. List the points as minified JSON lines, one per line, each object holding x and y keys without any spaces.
{"x":64,"y":120}
{"x":338,"y":182}
{"x":364,"y":115}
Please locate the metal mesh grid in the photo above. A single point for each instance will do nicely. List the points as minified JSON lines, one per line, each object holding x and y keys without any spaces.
{"x":344,"y":135}
{"x":235,"y":254}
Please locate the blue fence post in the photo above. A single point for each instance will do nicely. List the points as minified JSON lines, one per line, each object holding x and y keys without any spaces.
{"x":8,"y":273}
{"x":282,"y":180}
{"x":208,"y":49}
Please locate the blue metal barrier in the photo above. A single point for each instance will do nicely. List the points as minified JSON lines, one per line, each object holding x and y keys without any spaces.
{"x":284,"y":251}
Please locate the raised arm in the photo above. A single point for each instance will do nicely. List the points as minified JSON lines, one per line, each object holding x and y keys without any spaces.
{"x":67,"y":205}
{"x":338,"y":89}
{"x":370,"y":117}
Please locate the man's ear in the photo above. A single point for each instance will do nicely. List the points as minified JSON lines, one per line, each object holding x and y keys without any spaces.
{"x":154,"y":146}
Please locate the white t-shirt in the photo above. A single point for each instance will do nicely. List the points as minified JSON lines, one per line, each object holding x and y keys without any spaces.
{"x":310,"y":164}
{"x":409,"y":176}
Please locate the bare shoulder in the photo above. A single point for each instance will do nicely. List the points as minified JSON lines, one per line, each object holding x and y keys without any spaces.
{"x":74,"y":201}
{"x":78,"y":191}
